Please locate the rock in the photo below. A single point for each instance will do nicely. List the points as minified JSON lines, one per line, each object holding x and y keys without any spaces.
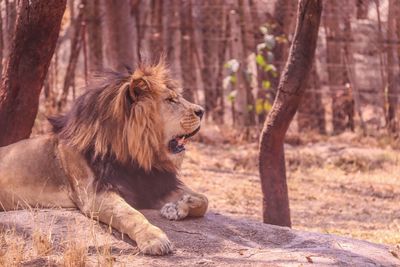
{"x":216,"y":240}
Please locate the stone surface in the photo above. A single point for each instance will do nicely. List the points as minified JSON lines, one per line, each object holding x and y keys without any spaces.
{"x":216,"y":240}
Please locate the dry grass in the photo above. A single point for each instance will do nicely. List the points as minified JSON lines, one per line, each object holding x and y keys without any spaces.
{"x":39,"y":247}
{"x":11,"y":248}
{"x":42,"y":243}
{"x":75,"y":254}
{"x":106,"y":258}
{"x":335,"y":186}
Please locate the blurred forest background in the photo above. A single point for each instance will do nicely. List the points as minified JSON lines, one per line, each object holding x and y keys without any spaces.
{"x":229,"y":54}
{"x":342,"y":148}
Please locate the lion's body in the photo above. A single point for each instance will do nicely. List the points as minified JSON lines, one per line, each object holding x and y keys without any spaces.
{"x":40,"y":177}
{"x":117,"y":150}
{"x":31,"y":173}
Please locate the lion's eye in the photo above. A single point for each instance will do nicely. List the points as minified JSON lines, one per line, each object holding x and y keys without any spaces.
{"x":172,"y":100}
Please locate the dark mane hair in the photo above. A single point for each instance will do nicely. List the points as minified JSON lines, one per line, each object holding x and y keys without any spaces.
{"x":115,"y":124}
{"x":118,"y":116}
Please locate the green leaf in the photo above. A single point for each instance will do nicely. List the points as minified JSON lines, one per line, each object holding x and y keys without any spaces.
{"x":260,"y":60}
{"x":232,"y":96}
{"x":266,"y":85}
{"x":269,"y":67}
{"x":259,"y":106}
{"x":233,"y":79}
{"x":267,"y":106}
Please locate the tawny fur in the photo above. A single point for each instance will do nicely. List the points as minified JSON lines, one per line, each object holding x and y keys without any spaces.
{"x":115,"y":120}
{"x":109,"y":156}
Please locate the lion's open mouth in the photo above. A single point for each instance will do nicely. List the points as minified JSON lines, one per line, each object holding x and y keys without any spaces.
{"x":177,"y":144}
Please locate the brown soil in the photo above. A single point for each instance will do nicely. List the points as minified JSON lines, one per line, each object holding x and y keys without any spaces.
{"x":337,"y":186}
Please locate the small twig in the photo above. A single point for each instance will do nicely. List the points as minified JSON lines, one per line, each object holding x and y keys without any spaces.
{"x":186,"y":232}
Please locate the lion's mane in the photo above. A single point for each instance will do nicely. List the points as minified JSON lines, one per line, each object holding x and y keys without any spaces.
{"x":117,"y":117}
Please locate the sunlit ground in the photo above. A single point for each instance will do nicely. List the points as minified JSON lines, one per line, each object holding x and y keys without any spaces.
{"x":343,"y":189}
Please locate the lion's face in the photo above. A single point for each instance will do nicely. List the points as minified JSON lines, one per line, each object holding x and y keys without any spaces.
{"x":137,"y":117}
{"x":181,"y":120}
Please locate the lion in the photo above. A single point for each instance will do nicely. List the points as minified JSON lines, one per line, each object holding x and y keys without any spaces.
{"x":118,"y":149}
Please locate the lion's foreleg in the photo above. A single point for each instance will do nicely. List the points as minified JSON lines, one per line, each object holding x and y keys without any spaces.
{"x":184,"y":203}
{"x":112,"y":209}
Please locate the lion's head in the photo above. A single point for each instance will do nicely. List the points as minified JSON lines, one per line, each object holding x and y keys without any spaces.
{"x":136,"y":117}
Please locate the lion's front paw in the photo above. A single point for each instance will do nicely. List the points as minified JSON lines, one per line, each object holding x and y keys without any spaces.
{"x":153,"y":241}
{"x":175,"y":211}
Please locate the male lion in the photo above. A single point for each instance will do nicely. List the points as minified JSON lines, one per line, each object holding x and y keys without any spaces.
{"x":117,"y":150}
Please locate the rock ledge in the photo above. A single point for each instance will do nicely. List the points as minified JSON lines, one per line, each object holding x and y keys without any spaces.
{"x":216,"y":240}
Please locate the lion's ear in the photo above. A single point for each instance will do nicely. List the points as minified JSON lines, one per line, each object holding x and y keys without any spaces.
{"x":137,"y":88}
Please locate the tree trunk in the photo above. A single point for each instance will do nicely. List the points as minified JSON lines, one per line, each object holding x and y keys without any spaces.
{"x":10,"y":19}
{"x":311,"y":116}
{"x":249,"y":49}
{"x":118,"y":32}
{"x":284,"y":14}
{"x":362,"y":9}
{"x":283,"y":21}
{"x":76,"y":44}
{"x":219,"y":111}
{"x":397,"y":10}
{"x":355,"y":99}
{"x":172,"y":34}
{"x":337,"y":74}
{"x":291,"y":87}
{"x":211,"y":25}
{"x":392,"y":74}
{"x":94,"y":36}
{"x":187,"y":50}
{"x":156,"y":29}
{"x":381,"y":55}
{"x":1,"y":42}
{"x":36,"y":33}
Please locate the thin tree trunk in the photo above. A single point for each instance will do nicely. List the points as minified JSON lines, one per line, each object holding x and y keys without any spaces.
{"x":337,"y":73}
{"x":291,"y":87}
{"x":187,"y":50}
{"x":311,"y":115}
{"x":249,"y":48}
{"x":362,"y":9}
{"x":76,"y":45}
{"x":284,"y":14}
{"x":261,"y":94}
{"x":211,"y":27}
{"x":240,"y":98}
{"x":397,"y":10}
{"x":36,"y":33}
{"x":156,"y":33}
{"x":381,"y":56}
{"x":136,"y":11}
{"x":94,"y":36}
{"x":118,"y":29}
{"x":351,"y":71}
{"x":392,"y":74}
{"x":10,"y":19}
{"x":219,"y":111}
{"x":1,"y":42}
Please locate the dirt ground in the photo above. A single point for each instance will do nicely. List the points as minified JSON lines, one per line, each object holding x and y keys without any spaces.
{"x":345,"y":185}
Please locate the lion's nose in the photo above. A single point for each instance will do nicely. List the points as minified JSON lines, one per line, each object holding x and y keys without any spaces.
{"x":199,"y":113}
